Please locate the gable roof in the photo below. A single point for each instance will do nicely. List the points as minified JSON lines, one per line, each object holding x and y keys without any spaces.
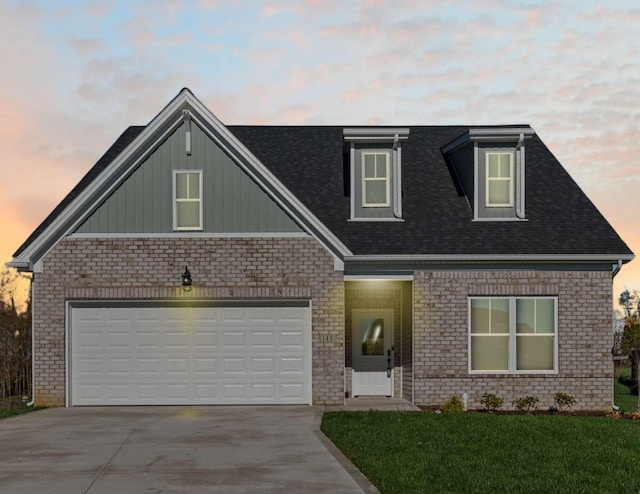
{"x":131,"y":150}
{"x":306,"y":170}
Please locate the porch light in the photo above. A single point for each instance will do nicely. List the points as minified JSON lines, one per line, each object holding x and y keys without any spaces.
{"x":186,"y":280}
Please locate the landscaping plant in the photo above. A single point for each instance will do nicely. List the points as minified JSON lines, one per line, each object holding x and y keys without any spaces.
{"x":453,"y":405}
{"x":491,"y":402}
{"x":564,"y":401}
{"x":526,"y":404}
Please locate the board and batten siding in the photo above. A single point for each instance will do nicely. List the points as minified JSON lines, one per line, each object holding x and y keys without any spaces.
{"x":232,"y":201}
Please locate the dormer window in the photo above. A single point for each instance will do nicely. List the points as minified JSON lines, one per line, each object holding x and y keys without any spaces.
{"x":375,"y":173}
{"x":499,"y":183}
{"x":376,"y":179}
{"x":489,"y":165}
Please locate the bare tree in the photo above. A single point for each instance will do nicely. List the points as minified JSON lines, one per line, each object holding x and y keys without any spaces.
{"x":15,"y":340}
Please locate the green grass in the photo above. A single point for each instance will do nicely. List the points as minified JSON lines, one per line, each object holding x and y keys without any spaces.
{"x":10,"y":411}
{"x":404,"y":452}
{"x":622,"y":397}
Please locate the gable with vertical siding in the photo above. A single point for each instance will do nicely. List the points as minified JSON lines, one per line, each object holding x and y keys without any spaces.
{"x":232,"y":201}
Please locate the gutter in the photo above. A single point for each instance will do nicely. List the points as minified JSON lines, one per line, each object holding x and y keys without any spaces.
{"x":616,"y":268}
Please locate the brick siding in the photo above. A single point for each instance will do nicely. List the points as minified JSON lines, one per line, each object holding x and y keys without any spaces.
{"x":138,"y":269}
{"x":584,"y":332}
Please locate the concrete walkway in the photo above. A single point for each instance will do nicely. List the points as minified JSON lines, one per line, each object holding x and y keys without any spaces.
{"x":375,"y":403}
{"x":172,"y":450}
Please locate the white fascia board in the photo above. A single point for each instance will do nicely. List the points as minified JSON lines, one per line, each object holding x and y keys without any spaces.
{"x":375,"y":134}
{"x":20,"y":266}
{"x":261,"y":173}
{"x":499,"y":134}
{"x":491,"y":257}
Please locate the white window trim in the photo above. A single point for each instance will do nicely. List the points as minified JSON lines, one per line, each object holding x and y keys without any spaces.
{"x":488,"y":204}
{"x":175,"y":202}
{"x":387,"y":179}
{"x":513,"y":336}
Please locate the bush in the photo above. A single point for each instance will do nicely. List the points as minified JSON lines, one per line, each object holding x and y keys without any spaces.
{"x":491,"y":402}
{"x":564,"y":401}
{"x":453,"y":405}
{"x":526,"y":404}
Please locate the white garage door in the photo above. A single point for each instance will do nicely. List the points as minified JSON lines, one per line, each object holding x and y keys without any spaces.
{"x":168,"y":355}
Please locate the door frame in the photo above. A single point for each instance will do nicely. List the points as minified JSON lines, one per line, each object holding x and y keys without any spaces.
{"x":388,"y":353}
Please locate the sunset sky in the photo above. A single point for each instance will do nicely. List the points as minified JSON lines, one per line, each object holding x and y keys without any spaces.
{"x":75,"y":74}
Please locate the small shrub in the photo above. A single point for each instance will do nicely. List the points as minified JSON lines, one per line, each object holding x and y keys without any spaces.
{"x":526,"y":404}
{"x":564,"y":401}
{"x":491,"y":402}
{"x":453,"y":405}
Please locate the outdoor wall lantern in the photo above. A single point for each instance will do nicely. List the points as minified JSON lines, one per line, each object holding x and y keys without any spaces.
{"x":186,"y":280}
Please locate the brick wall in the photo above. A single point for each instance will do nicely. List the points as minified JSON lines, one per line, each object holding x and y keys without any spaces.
{"x":441,"y":356}
{"x":268,"y":268}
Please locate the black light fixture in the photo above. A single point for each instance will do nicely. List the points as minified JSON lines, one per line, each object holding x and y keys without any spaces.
{"x":186,"y":280}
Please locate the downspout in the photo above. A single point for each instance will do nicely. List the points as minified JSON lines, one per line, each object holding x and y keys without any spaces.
{"x":33,"y":345}
{"x":397,"y":204}
{"x":520,"y":182}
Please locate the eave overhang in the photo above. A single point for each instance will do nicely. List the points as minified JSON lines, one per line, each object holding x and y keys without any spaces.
{"x":489,"y":134}
{"x":408,"y":264}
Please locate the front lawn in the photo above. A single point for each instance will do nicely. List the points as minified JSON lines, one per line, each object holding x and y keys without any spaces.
{"x":404,"y":452}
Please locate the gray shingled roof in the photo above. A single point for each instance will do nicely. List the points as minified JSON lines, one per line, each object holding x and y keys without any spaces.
{"x":311,"y":161}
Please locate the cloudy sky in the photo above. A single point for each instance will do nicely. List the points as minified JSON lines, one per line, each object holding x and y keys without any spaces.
{"x":75,"y":74}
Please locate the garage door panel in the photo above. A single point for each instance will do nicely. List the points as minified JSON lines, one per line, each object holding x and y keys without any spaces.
{"x":292,"y":365}
{"x":234,"y":341}
{"x":119,"y":392}
{"x":90,"y":366}
{"x":234,"y":392}
{"x":292,"y":339}
{"x":148,"y":340}
{"x":231,"y":366}
{"x":206,"y":367}
{"x":292,"y":391}
{"x":177,"y":340}
{"x":263,"y":366}
{"x":205,"y":340}
{"x":263,"y":340}
{"x":149,"y":355}
{"x":119,"y":366}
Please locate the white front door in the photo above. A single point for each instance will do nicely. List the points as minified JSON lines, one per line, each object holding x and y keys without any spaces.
{"x":372,"y":352}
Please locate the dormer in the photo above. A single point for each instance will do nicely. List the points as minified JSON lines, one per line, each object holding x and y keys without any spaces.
{"x":375,"y":158}
{"x":489,"y":164}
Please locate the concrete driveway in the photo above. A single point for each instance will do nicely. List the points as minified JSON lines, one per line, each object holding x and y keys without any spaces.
{"x":172,"y":449}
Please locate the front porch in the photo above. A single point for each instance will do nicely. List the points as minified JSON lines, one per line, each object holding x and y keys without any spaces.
{"x":379,"y":358}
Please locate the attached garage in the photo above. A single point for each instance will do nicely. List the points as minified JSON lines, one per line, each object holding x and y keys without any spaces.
{"x":186,"y":353}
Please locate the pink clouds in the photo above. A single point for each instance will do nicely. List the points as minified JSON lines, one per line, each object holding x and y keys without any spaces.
{"x":569,"y":71}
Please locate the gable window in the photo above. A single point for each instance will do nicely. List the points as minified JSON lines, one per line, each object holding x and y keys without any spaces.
{"x":513,"y":334}
{"x":376,"y":179}
{"x":499,"y":171}
{"x":187,"y":204}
